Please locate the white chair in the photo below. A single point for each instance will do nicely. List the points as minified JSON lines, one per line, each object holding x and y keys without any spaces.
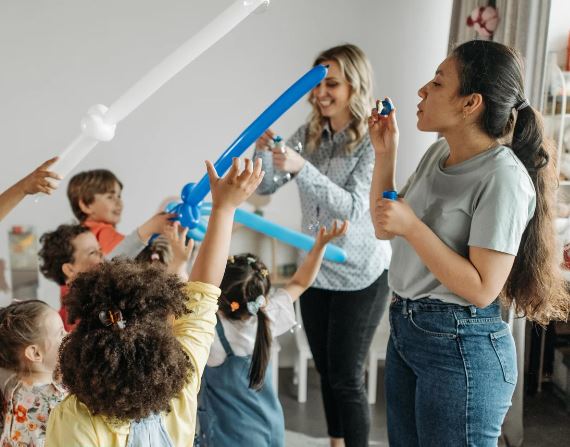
{"x":303,"y":356}
{"x":377,"y":352}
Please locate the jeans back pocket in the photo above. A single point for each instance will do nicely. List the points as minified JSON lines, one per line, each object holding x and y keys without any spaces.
{"x":504,"y":347}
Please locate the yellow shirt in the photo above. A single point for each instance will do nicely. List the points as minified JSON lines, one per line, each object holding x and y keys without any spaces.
{"x":71,"y":424}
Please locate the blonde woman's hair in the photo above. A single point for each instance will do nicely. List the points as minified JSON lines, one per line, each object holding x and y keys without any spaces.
{"x":356,"y":68}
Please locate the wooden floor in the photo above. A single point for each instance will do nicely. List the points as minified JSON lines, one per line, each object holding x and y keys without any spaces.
{"x":547,"y":424}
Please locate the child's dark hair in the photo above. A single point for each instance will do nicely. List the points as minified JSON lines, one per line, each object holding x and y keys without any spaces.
{"x":125,"y":373}
{"x":245,"y":279}
{"x":158,"y":251}
{"x":57,"y":249}
{"x":495,"y":71}
{"x":19,"y":324}
{"x":84,"y":186}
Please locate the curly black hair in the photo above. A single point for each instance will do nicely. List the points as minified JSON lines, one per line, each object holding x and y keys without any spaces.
{"x":57,"y":249}
{"x":125,"y":373}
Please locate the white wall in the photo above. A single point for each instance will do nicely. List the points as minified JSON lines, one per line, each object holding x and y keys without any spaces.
{"x":558,"y":29}
{"x":59,"y":58}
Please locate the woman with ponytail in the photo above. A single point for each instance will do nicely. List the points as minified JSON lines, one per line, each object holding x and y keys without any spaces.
{"x":238,"y":404}
{"x":472,"y":229}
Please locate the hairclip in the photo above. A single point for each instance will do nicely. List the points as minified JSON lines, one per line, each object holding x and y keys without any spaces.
{"x":234,"y":305}
{"x":251,"y":260}
{"x":264,"y":273}
{"x":523,"y":104}
{"x":254,"y":306}
{"x":109,"y":318}
{"x":231,"y":259}
{"x":155,"y":257}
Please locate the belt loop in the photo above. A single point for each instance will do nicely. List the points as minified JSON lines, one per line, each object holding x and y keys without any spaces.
{"x":404,"y":306}
{"x":473,"y":310}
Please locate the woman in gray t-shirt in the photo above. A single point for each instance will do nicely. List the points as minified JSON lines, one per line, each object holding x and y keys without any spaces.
{"x":472,"y":223}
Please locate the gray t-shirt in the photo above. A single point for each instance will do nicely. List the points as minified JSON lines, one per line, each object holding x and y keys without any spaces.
{"x":486,"y":201}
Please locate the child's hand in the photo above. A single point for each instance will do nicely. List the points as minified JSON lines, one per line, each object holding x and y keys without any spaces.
{"x":157,"y":224}
{"x":324,"y":236}
{"x":230,"y":191}
{"x":38,"y":180}
{"x":181,"y":251}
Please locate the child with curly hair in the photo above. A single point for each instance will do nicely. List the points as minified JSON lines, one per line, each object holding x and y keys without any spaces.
{"x":237,"y":380}
{"x":134,"y":362}
{"x":30,"y":336}
{"x":66,"y":252}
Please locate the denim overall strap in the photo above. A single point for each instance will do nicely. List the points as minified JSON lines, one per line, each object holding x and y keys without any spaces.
{"x":227,"y":404}
{"x":222,"y":337}
{"x":149,"y":432}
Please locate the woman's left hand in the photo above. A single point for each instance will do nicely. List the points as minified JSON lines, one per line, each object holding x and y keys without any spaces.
{"x":288,"y":161}
{"x":395,"y":217}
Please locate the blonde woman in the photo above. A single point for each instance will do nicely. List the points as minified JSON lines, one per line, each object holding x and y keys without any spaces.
{"x":343,"y":308}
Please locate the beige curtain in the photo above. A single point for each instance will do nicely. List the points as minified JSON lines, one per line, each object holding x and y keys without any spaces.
{"x":459,"y":32}
{"x":524,"y":26}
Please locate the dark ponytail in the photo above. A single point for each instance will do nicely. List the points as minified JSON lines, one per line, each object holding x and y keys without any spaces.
{"x":261,"y":352}
{"x":245,"y":279}
{"x":535,"y":284}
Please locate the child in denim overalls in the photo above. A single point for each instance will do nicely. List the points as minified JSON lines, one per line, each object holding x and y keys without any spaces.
{"x":236,"y":389}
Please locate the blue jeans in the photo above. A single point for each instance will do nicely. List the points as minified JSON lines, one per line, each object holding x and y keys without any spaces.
{"x":450,"y":374}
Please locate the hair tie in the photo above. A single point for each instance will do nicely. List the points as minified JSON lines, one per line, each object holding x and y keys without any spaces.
{"x":251,"y":260}
{"x":254,"y":306}
{"x":523,"y":104}
{"x":109,"y":318}
{"x":234,"y":305}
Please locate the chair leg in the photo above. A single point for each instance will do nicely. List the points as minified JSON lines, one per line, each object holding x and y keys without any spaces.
{"x":275,"y":372}
{"x":302,"y":386}
{"x":372,"y":378}
{"x":296,"y":371}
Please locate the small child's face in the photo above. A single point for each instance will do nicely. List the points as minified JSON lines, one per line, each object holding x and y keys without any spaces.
{"x":86,"y":255}
{"x":53,"y":333}
{"x":106,"y":207}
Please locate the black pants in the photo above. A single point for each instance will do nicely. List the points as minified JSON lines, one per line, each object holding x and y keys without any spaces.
{"x":340,"y":327}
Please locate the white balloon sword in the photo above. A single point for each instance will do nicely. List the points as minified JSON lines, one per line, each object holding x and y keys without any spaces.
{"x":100,"y":122}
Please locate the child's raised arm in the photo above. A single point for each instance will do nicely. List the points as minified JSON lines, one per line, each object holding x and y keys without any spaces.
{"x":308,"y":270}
{"x":36,"y":181}
{"x":227,"y":194}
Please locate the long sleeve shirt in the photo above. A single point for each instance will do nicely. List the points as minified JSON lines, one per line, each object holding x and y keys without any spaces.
{"x":334,"y":184}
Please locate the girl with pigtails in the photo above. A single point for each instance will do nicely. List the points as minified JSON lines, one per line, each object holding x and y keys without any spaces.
{"x":238,"y":404}
{"x":473,"y":228}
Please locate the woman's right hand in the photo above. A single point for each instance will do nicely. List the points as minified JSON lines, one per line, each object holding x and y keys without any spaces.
{"x":265,"y":141}
{"x":384,"y":133}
